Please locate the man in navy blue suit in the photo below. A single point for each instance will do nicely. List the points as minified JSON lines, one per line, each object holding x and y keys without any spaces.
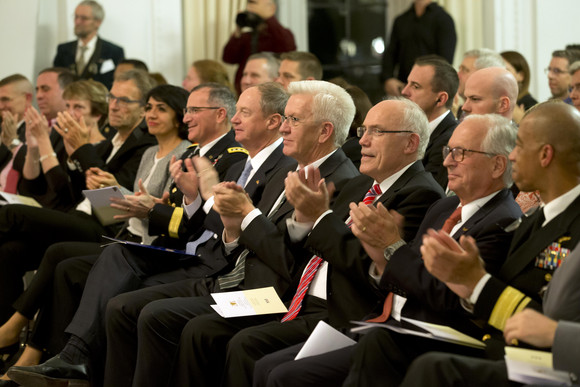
{"x":90,"y":57}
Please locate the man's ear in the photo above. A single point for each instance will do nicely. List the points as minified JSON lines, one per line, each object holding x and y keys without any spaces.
{"x":504,"y":104}
{"x":499,"y":166}
{"x":412,"y":143}
{"x":221,"y":115}
{"x":546,"y":155}
{"x":326,"y":132}
{"x":442,"y":98}
{"x":274,"y":122}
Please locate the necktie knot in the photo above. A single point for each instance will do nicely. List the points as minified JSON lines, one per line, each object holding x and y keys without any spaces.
{"x":453,"y":219}
{"x":372,"y":194}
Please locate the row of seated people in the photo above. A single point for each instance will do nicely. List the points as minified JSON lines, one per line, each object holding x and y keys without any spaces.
{"x":313,"y":122}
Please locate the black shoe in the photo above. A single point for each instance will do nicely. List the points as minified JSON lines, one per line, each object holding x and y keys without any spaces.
{"x":54,"y":372}
{"x":8,"y":356}
{"x":8,"y":383}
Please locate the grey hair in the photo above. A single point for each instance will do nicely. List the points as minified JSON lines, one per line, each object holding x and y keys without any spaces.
{"x":273,"y":98}
{"x":485,"y":58}
{"x":97,"y":9}
{"x":415,"y":120}
{"x":330,"y":103}
{"x":272,"y":63}
{"x":574,"y":67}
{"x":142,"y":80}
{"x":500,"y":139}
{"x":220,"y":95}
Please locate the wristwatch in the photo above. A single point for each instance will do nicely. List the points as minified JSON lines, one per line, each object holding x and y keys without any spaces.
{"x":390,"y":249}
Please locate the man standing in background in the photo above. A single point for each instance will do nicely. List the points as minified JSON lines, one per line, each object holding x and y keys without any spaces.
{"x":257,"y":30}
{"x":90,"y":57}
{"x":424,"y":29}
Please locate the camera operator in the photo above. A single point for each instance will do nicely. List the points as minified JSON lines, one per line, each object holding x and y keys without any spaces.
{"x":257,"y":30}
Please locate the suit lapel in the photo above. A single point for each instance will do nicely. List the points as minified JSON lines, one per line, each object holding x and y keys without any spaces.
{"x":260,"y":177}
{"x":94,"y":59}
{"x":448,"y":121}
{"x":532,"y":243}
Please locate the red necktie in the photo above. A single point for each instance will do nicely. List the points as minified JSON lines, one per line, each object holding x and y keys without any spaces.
{"x":453,"y":219}
{"x":315,"y":262}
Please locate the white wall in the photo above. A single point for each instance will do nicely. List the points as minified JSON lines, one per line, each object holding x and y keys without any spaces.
{"x":150,"y":30}
{"x":18,"y":31}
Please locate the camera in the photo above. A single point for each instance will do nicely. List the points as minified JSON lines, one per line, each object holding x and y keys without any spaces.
{"x":248,"y":19}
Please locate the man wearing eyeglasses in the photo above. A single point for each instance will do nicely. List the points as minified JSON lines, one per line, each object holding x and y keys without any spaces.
{"x":558,"y":73}
{"x":90,"y":57}
{"x":480,"y":172}
{"x":393,"y":139}
{"x":545,"y":159}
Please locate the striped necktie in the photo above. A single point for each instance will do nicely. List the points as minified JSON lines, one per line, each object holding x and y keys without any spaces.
{"x":315,"y":262}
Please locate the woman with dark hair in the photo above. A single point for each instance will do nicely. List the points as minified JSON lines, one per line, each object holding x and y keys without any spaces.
{"x":518,"y":66}
{"x":164,"y":116}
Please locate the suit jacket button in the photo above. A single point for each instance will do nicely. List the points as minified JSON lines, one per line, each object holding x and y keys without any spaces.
{"x":548,"y":277}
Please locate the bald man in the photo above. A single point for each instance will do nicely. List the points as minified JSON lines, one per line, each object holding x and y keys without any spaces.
{"x":491,"y":90}
{"x":546,"y":158}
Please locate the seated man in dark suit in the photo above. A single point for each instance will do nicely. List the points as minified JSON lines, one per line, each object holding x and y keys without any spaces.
{"x":393,"y":138}
{"x":432,"y":85}
{"x":545,"y":159}
{"x":90,"y":57}
{"x":557,"y":328}
{"x":208,"y":115}
{"x":318,"y":115}
{"x":482,"y":206}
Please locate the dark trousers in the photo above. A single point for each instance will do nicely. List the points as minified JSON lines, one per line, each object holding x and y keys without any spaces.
{"x":211,"y":346}
{"x":36,"y":293}
{"x":160,"y":310}
{"x":446,"y":370}
{"x":61,"y":303}
{"x":384,"y":355}
{"x":25,"y":234}
{"x":279,"y":369}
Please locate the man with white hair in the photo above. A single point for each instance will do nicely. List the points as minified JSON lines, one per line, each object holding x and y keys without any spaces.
{"x":90,"y":57}
{"x":394,"y":136}
{"x":478,"y":168}
{"x":316,"y":122}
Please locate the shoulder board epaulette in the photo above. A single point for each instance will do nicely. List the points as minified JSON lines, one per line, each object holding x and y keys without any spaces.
{"x":192,"y":145}
{"x":237,"y":149}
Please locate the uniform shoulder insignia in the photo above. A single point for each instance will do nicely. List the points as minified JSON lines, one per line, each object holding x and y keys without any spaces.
{"x":237,"y":149}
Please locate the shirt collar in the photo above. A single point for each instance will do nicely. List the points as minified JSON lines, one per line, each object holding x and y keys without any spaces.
{"x":435,"y":123}
{"x":558,"y":205}
{"x":389,"y":181}
{"x":204,"y":149}
{"x":262,"y":155}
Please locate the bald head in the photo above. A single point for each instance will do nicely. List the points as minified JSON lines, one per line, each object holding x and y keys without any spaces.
{"x":558,"y":124}
{"x":547,"y":153}
{"x":491,"y":90}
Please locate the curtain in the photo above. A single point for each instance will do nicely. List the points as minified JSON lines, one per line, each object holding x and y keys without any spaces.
{"x":207,"y":26}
